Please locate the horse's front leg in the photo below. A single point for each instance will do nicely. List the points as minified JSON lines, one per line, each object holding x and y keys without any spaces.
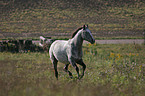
{"x":80,"y":62}
{"x":73,"y":63}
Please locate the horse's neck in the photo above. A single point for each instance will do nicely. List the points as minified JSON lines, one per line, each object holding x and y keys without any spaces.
{"x":78,"y":41}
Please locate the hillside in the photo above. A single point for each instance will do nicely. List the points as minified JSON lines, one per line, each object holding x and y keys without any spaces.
{"x":106,"y":18}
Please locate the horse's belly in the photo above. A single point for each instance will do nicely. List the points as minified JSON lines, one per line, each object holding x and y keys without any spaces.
{"x":62,"y":58}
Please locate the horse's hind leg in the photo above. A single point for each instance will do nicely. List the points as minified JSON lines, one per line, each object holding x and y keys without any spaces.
{"x":55,"y":68}
{"x":54,"y":62}
{"x":66,"y":70}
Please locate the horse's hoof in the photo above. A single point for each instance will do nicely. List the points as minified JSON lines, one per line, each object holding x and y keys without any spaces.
{"x":80,"y":77}
{"x":71,"y":77}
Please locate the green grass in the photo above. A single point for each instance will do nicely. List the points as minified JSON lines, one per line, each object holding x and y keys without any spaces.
{"x":112,"y":70}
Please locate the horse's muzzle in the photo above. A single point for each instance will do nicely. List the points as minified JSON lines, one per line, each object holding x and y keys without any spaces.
{"x":93,"y":41}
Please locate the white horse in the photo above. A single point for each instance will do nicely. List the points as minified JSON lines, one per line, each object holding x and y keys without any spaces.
{"x":70,"y":52}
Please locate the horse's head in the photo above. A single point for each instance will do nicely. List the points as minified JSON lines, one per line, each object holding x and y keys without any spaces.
{"x":86,"y":35}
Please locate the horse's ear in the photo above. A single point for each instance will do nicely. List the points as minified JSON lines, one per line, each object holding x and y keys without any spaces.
{"x":87,"y":26}
{"x":84,"y":27}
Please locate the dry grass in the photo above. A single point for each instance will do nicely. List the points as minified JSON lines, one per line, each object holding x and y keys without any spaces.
{"x":105,"y":18}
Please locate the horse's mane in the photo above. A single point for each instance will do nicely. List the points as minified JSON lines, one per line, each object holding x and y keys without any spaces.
{"x":76,"y":31}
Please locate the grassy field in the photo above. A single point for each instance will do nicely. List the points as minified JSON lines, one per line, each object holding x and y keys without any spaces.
{"x":105,"y":18}
{"x":112,"y":70}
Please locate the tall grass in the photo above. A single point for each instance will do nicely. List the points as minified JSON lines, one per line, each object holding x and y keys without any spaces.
{"x":111,"y":70}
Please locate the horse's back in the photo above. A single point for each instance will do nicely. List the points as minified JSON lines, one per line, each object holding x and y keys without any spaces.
{"x":58,"y":50}
{"x":58,"y":44}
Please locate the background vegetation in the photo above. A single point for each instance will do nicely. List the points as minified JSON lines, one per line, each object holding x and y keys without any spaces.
{"x":112,"y":70}
{"x":32,"y":18}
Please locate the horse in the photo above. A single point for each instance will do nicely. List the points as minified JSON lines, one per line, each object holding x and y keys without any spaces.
{"x":70,"y":51}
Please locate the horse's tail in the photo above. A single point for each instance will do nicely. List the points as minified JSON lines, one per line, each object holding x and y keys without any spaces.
{"x":45,"y":43}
